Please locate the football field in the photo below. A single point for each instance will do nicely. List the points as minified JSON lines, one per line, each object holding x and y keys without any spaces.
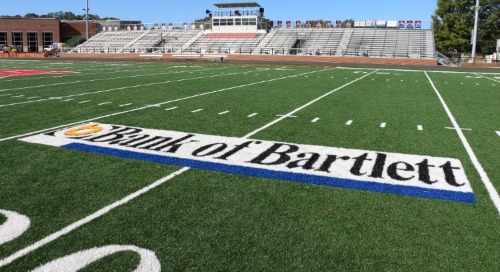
{"x":121,"y":165}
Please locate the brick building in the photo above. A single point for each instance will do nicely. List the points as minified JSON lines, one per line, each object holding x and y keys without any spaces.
{"x":33,"y":34}
{"x":29,"y":35}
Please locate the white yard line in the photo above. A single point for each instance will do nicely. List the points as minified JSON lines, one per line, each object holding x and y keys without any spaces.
{"x":106,"y":79}
{"x":306,"y":105}
{"x":150,"y":106}
{"x":482,"y":173}
{"x":412,"y":70}
{"x":87,"y":219}
{"x":105,"y":210}
{"x":492,"y":79}
{"x":120,"y":88}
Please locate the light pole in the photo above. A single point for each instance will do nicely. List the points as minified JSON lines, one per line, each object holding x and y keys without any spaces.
{"x":474,"y":34}
{"x":87,"y":21}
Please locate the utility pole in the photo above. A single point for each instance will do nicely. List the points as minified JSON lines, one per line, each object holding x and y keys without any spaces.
{"x":474,"y":34}
{"x":87,"y":21}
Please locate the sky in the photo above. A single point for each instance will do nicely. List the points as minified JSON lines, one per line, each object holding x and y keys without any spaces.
{"x":158,"y":11}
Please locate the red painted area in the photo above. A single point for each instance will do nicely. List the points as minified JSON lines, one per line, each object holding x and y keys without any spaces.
{"x":12,"y":73}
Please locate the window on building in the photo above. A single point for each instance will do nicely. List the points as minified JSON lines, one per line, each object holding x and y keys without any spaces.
{"x":216,"y":22}
{"x":48,"y":39}
{"x":237,"y":21}
{"x":17,"y":40}
{"x":3,"y":38}
{"x":32,"y":42}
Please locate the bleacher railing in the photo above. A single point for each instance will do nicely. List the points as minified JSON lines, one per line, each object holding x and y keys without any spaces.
{"x":264,"y":51}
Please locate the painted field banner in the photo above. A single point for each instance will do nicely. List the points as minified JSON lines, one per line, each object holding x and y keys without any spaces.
{"x":403,"y":174}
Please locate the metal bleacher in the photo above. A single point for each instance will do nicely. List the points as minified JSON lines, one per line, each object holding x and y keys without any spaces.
{"x":241,"y":43}
{"x":393,"y":43}
{"x":360,"y":42}
{"x":109,"y":42}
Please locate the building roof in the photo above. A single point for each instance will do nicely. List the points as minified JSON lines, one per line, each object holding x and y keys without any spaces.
{"x":238,"y":5}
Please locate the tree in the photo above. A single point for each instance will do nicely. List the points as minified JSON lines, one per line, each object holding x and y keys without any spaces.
{"x":31,"y":15}
{"x":453,"y":23}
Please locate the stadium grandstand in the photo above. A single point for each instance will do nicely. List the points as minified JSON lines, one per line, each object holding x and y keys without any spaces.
{"x":241,"y":28}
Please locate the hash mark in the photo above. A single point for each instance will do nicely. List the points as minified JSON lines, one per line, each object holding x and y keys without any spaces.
{"x":224,"y":112}
{"x":458,"y":128}
{"x":67,"y":100}
{"x":86,"y":101}
{"x":349,"y":122}
{"x":172,"y":108}
{"x":198,"y":110}
{"x":498,"y":133}
{"x":105,"y":103}
{"x":383,"y":125}
{"x":420,"y":127}
{"x":252,"y":115}
{"x":315,"y":120}
{"x":124,"y":105}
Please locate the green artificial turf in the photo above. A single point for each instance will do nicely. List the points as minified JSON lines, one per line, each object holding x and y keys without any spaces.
{"x":211,"y":221}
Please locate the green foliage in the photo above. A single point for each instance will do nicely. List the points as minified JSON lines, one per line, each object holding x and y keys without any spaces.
{"x":453,"y":23}
{"x":63,"y":15}
{"x":74,"y":41}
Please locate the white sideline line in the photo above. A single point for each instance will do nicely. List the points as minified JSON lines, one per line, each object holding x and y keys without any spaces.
{"x":420,"y":127}
{"x":198,"y":110}
{"x":224,"y":112}
{"x":149,"y":106}
{"x":383,"y":125}
{"x":123,"y":201}
{"x":349,"y":122}
{"x":484,"y":176}
{"x":252,"y":115}
{"x":315,"y":120}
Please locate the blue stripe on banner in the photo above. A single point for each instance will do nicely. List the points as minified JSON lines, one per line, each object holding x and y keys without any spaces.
{"x":266,"y":173}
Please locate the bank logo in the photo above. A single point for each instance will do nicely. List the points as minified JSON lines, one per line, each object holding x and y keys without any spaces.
{"x":413,"y":175}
